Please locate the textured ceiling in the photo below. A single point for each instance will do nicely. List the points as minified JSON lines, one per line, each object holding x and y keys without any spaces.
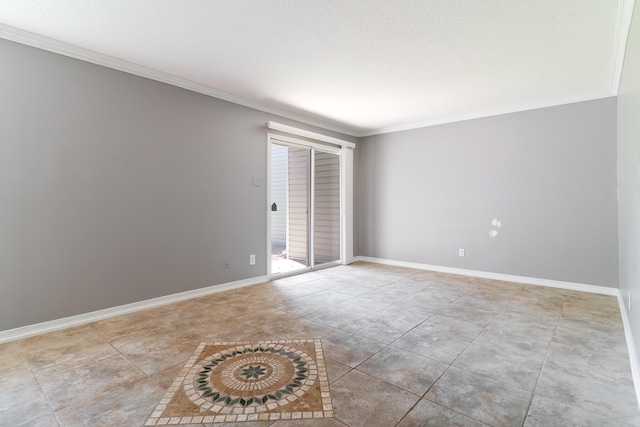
{"x":365,"y":66}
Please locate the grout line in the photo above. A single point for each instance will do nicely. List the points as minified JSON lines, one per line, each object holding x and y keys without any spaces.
{"x":35,"y":377}
{"x":409,"y":411}
{"x":546,"y":357}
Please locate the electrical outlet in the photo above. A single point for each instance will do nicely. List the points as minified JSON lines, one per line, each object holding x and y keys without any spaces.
{"x":225,"y":263}
{"x":252,"y":259}
{"x":461,"y":252}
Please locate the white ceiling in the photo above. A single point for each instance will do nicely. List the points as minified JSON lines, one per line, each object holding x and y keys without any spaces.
{"x":361,"y":66}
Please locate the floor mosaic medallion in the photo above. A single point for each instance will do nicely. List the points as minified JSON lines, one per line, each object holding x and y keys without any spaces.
{"x":248,"y":381}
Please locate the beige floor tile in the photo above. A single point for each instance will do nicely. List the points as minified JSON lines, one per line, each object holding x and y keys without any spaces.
{"x":11,"y":356}
{"x":67,"y":348}
{"x":361,"y":400}
{"x":443,"y":325}
{"x":383,"y":326}
{"x":190,"y":315}
{"x":128,"y":404}
{"x":480,"y":398}
{"x":407,"y":318}
{"x":302,"y":329}
{"x":312,"y":303}
{"x":336,"y":370}
{"x":68,"y":387}
{"x":116,"y":326}
{"x":403,"y":369}
{"x":548,"y":311}
{"x":33,"y":407}
{"x":439,"y":346}
{"x":263,"y":336}
{"x":44,"y":420}
{"x":490,"y":302}
{"x":424,"y":301}
{"x":267,"y":318}
{"x":323,"y":283}
{"x":429,"y":414}
{"x":386,"y":294}
{"x":363,"y":304}
{"x":580,"y":389}
{"x":349,"y":349}
{"x":408,"y":286}
{"x":142,"y":329}
{"x":166,"y":378}
{"x":162,"y":355}
{"x":524,"y":325}
{"x":468,"y":314}
{"x":412,"y":308}
{"x":499,"y":362}
{"x":289,"y":293}
{"x":21,"y":397}
{"x":338,"y":317}
{"x":219,"y":300}
{"x":225,"y":330}
{"x":602,"y":365}
{"x":547,"y":412}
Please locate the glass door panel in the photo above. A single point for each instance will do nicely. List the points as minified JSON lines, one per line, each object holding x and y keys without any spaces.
{"x":326,"y":208}
{"x":290,"y":185}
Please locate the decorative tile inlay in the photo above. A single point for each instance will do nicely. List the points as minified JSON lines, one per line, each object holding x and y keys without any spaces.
{"x":248,"y":381}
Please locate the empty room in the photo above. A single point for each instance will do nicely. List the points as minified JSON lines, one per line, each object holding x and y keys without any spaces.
{"x":319,"y":214}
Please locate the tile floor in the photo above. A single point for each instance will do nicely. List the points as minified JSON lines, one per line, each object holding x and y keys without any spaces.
{"x":402,"y":348}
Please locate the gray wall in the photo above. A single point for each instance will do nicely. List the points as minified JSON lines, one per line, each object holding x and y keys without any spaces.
{"x":629,"y":177}
{"x":549,"y":175}
{"x":116,"y":189}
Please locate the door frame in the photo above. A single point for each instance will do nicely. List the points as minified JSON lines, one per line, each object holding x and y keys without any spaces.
{"x":345,"y":155}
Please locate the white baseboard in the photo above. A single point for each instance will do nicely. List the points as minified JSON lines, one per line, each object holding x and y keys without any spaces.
{"x":633,"y":357}
{"x":604,"y":290}
{"x":631,"y":347}
{"x":81,"y":319}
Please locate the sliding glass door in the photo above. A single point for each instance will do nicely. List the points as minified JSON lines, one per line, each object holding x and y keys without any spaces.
{"x":305,"y":207}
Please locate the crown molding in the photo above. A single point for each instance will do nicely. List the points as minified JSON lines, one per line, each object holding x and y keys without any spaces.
{"x":489,"y":113}
{"x":625,"y":13}
{"x":623,"y":26}
{"x":55,"y":46}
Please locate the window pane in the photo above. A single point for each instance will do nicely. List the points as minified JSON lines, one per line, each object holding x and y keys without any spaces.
{"x":326,"y":208}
